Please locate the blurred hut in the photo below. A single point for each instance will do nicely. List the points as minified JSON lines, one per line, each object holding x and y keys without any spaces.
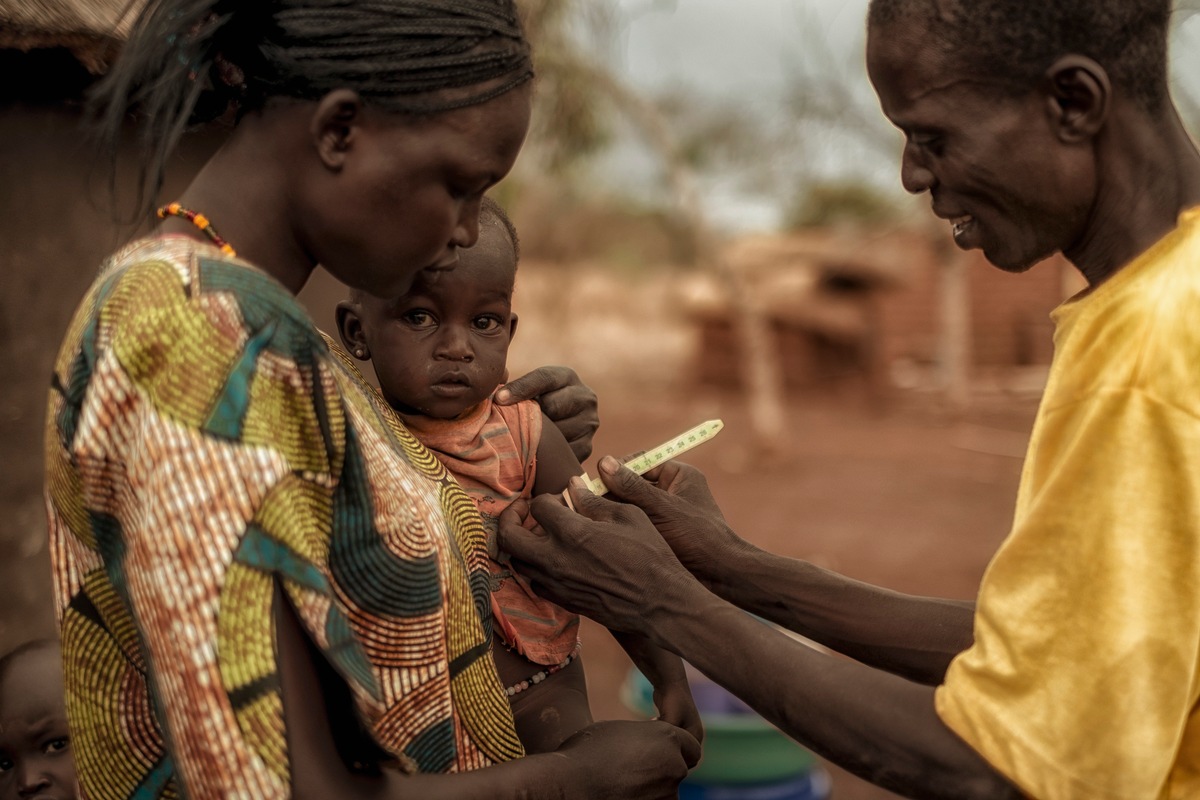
{"x":88,"y":31}
{"x":874,"y":312}
{"x":819,"y":292}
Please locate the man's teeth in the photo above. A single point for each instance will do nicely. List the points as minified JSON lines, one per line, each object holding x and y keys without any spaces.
{"x":960,"y":224}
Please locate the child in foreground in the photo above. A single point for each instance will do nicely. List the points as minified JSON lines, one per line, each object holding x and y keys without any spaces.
{"x":439,"y":352}
{"x":35,"y":749}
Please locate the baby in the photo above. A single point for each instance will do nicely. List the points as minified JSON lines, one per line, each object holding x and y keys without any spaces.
{"x":439,"y":352}
{"x":35,"y":748}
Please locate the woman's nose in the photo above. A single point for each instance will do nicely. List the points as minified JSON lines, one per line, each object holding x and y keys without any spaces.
{"x":466,"y":233}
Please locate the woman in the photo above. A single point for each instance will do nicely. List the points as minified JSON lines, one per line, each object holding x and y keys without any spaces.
{"x":266,"y":587}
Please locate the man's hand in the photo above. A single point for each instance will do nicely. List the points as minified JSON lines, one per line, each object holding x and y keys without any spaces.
{"x":676,"y":499}
{"x":564,"y":398}
{"x":604,"y":562}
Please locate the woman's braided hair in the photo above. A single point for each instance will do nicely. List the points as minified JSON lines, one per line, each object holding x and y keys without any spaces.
{"x":187,"y":62}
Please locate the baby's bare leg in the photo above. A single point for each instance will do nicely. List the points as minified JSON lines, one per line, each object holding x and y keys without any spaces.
{"x":547,"y":713}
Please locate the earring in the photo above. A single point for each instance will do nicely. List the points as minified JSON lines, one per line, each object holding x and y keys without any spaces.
{"x":360,"y":352}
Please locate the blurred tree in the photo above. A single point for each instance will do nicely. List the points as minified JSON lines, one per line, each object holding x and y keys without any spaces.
{"x":830,"y":203}
{"x":577,"y":89}
{"x":570,"y":121}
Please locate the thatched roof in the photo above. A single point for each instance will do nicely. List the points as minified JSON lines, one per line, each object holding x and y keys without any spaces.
{"x":90,"y":29}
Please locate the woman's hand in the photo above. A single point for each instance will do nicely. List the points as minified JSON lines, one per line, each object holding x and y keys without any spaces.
{"x":619,"y":759}
{"x":570,"y":405}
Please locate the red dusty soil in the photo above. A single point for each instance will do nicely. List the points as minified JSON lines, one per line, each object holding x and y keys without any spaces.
{"x":904,"y":499}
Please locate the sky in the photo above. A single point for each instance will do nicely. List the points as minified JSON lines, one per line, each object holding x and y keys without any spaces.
{"x":731,"y":46}
{"x":747,"y":51}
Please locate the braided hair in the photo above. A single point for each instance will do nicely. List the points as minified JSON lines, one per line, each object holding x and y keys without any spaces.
{"x":187,"y":62}
{"x":1017,"y":40}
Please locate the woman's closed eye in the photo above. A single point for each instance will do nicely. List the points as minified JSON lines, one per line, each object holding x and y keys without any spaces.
{"x":470,"y":188}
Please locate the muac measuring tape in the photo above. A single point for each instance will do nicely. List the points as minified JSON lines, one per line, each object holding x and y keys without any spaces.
{"x":652,"y":458}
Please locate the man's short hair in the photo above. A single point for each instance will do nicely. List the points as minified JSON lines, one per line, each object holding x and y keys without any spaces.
{"x":1018,"y":40}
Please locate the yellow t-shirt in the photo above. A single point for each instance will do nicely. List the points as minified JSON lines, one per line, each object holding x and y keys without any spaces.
{"x":1085,"y":673}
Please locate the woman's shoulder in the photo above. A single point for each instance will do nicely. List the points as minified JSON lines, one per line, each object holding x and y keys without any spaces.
{"x":211,"y":342}
{"x":157,"y":275}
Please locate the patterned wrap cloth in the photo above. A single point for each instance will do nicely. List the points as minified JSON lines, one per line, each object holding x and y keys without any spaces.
{"x":204,"y":441}
{"x":492,"y":452}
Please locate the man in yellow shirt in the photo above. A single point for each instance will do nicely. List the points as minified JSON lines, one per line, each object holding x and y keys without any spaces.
{"x":1035,"y":127}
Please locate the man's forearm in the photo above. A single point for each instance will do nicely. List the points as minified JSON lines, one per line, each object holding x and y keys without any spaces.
{"x":914,"y":637}
{"x":878,"y":725}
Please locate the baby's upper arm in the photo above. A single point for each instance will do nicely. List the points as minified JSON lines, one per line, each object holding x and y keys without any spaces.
{"x":556,"y":463}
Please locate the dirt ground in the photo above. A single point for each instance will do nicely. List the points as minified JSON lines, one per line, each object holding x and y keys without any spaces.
{"x":906,"y":499}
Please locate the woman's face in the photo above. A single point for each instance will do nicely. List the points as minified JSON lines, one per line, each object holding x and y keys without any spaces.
{"x":408,"y":194}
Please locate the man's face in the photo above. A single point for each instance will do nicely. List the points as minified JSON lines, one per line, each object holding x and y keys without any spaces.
{"x":990,"y":158}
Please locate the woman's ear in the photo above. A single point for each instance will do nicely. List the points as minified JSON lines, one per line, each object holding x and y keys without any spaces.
{"x":1079,"y":95}
{"x":351,"y":332}
{"x":335,"y":126}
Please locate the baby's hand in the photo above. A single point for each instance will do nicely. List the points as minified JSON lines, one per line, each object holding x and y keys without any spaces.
{"x":675,"y":705}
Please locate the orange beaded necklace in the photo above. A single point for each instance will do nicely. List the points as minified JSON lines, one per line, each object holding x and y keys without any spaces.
{"x":200,"y":221}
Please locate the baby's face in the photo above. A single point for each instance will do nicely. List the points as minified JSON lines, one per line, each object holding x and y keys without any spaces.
{"x":35,"y":751}
{"x":441,"y":349}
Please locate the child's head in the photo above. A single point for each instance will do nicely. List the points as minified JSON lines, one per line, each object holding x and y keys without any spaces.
{"x":441,"y":348}
{"x":35,"y":751}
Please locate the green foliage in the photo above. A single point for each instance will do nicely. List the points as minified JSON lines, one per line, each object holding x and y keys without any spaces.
{"x":711,"y":133}
{"x":570,"y":122}
{"x":826,"y":204}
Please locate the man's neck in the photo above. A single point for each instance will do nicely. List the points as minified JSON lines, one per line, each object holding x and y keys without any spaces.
{"x":1149,"y":172}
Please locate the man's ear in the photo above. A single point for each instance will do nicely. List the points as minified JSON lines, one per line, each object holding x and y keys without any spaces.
{"x":1079,"y":96}
{"x":335,"y":126}
{"x":351,"y":332}
{"x":512,"y":326}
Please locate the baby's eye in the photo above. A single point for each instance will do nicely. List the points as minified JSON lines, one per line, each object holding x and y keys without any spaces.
{"x":56,"y":745}
{"x":418,"y":318}
{"x":486,"y":324}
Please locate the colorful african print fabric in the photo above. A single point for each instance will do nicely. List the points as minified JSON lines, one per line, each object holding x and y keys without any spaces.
{"x":492,"y":451}
{"x":203,"y":442}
